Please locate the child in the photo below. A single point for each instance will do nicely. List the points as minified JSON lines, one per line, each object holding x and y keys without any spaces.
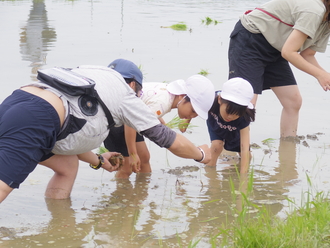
{"x":192,"y":97}
{"x":229,"y":119}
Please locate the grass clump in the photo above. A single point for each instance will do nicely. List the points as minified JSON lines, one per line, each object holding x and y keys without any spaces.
{"x":307,"y":226}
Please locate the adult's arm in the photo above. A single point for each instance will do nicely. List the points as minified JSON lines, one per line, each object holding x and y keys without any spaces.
{"x":305,"y":60}
{"x":177,"y":143}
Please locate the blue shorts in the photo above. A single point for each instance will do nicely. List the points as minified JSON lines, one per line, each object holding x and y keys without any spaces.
{"x":28,"y":129}
{"x":251,"y":57}
{"x":115,"y":142}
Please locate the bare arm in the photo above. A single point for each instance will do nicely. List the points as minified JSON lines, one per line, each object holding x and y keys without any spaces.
{"x":183,"y":148}
{"x":162,"y":120}
{"x":245,"y":149}
{"x":163,"y":136}
{"x":130,"y":138}
{"x":216,"y":149}
{"x":304,"y":61}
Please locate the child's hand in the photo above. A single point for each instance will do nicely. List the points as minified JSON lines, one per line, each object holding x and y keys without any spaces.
{"x":134,"y":162}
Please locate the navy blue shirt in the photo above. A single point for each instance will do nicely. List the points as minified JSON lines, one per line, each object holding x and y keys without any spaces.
{"x":229,"y":132}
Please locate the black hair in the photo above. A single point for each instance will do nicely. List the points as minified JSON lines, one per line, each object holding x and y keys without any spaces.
{"x":138,"y":87}
{"x":234,"y":109}
{"x":186,"y":99}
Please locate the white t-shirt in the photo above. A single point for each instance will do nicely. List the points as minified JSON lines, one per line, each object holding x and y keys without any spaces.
{"x":305,"y":16}
{"x":119,"y":98}
{"x":157,"y":98}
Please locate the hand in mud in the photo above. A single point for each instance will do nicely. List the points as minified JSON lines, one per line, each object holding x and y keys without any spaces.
{"x":134,"y":162}
{"x":112,"y":161}
{"x":207,"y":152}
{"x":116,"y":159}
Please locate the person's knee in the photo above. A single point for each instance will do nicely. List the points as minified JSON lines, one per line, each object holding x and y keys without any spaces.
{"x":297,"y":102}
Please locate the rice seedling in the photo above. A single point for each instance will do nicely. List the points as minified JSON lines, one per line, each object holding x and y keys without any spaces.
{"x":208,"y":21}
{"x":181,"y":26}
{"x":204,"y":73}
{"x":177,"y":123}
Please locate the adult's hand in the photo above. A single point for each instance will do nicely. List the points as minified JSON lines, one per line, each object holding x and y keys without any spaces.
{"x":107,"y":165}
{"x":207,"y":153}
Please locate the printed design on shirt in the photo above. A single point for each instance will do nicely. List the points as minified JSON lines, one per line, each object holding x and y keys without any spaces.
{"x":228,"y":127}
{"x":153,"y":92}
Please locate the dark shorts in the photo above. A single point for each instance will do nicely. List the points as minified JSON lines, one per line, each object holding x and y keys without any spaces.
{"x":28,"y":129}
{"x":232,"y":145}
{"x":251,"y":57}
{"x":115,"y":142}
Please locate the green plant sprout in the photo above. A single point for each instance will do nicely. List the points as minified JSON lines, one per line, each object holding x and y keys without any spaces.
{"x":181,"y":26}
{"x":208,"y":21}
{"x":177,"y":123}
{"x":204,"y":72}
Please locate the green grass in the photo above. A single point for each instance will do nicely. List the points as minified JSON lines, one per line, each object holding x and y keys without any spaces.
{"x":306,"y":226}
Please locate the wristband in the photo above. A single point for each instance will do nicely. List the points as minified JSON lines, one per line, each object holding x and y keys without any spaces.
{"x":101,"y":162}
{"x":203,"y":155}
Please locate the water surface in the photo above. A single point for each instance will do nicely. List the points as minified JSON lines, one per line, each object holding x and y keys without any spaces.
{"x":181,"y":200}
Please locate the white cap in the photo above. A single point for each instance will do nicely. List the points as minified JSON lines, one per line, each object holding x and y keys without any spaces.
{"x":199,"y":89}
{"x":239,"y":91}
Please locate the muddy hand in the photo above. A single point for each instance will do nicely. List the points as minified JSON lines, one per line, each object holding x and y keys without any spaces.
{"x":107,"y":163}
{"x":117,"y":159}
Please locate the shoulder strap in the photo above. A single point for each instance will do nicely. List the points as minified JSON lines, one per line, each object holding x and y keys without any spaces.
{"x":271,"y":15}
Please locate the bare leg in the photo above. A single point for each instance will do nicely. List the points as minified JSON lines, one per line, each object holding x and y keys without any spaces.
{"x":291,"y":101}
{"x":125,"y":170}
{"x":254,"y":100}
{"x":216,"y":149}
{"x":4,"y":190}
{"x":66,"y":169}
{"x":144,"y":155}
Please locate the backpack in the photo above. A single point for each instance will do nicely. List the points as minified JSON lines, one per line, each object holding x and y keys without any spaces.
{"x":73,"y":84}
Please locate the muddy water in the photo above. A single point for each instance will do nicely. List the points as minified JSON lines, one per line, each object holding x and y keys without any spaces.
{"x":181,"y":200}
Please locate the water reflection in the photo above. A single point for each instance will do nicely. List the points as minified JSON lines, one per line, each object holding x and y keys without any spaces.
{"x":174,"y":210}
{"x":272,"y":188}
{"x":36,"y":37}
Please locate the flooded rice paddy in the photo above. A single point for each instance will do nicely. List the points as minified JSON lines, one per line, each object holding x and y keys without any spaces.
{"x":181,"y":200}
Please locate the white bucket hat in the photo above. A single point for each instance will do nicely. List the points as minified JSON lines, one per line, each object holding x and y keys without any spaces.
{"x":199,"y":89}
{"x":239,"y":91}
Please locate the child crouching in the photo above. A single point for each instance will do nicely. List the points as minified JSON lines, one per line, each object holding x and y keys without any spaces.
{"x":229,"y":120}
